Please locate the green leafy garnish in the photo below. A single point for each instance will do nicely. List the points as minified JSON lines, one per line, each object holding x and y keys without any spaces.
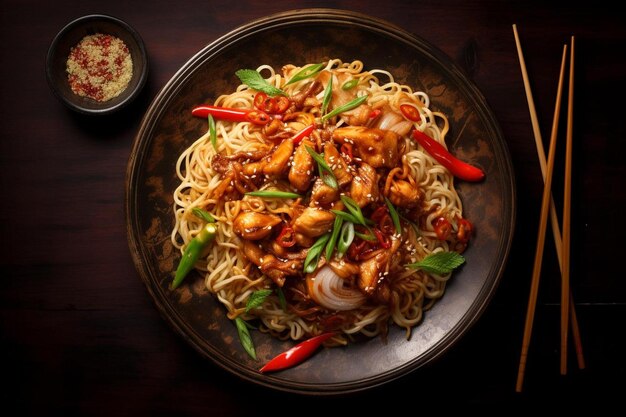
{"x":346,"y":107}
{"x":348,"y":85}
{"x":328,"y":94}
{"x":354,"y":209}
{"x":440,"y":263}
{"x":244,"y":337}
{"x":212,"y":132}
{"x":369,"y":237}
{"x":345,"y":216}
{"x":394,"y":216}
{"x":313,"y":256}
{"x":203,"y":214}
{"x":306,"y":72}
{"x":273,"y":194}
{"x":256,"y":299}
{"x":254,"y":80}
{"x":326,"y":174}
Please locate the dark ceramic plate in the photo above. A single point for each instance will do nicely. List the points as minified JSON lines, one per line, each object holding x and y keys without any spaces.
{"x":294,"y":37}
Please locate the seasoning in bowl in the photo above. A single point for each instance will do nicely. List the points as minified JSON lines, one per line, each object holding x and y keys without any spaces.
{"x":99,"y":67}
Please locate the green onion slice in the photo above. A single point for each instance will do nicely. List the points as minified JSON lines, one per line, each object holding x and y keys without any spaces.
{"x":313,"y":256}
{"x":244,"y":337}
{"x":203,"y":214}
{"x":273,"y":194}
{"x":325,"y":172}
{"x":328,"y":94}
{"x":345,"y":238}
{"x":394,"y":215}
{"x":306,"y":72}
{"x":332,"y":242}
{"x":212,"y":132}
{"x":346,"y":107}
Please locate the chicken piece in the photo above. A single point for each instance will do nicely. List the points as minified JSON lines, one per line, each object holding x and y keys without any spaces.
{"x":323,"y":194}
{"x":378,"y":148}
{"x":279,"y":159}
{"x":373,"y":270}
{"x":404,"y":193}
{"x":311,"y":90}
{"x":257,"y":256}
{"x":364,"y":187}
{"x":251,"y":225}
{"x":344,"y":268}
{"x":337,"y":164}
{"x":314,"y":222}
{"x":302,"y":167}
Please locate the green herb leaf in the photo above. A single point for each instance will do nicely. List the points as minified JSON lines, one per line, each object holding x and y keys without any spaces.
{"x":330,"y":246}
{"x":306,"y":72}
{"x":348,"y":85}
{"x":394,"y":216}
{"x":326,"y":174}
{"x":281,"y":298}
{"x":440,"y":263}
{"x":203,"y":214}
{"x":328,"y":94}
{"x":212,"y":132}
{"x":313,"y":256}
{"x":256,"y":299}
{"x":273,"y":194}
{"x":345,"y":238}
{"x":254,"y":80}
{"x":346,"y":107}
{"x":244,"y":337}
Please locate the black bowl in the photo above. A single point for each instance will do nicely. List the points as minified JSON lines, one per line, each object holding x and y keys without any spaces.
{"x":69,"y":36}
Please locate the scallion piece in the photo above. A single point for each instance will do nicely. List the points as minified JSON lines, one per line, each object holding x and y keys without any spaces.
{"x":364,"y":236}
{"x":244,"y":337}
{"x":394,"y":215}
{"x":348,"y":85}
{"x":354,"y":209}
{"x":332,"y":242}
{"x":328,"y":94}
{"x":306,"y":72}
{"x":345,"y":216}
{"x":346,"y":107}
{"x":203,"y":214}
{"x":313,"y":256}
{"x":345,"y":238}
{"x":326,"y":174}
{"x":273,"y":194}
{"x":212,"y":132}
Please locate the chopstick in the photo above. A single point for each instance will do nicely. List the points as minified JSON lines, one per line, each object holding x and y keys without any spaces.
{"x":541,"y":235}
{"x":567,"y":198}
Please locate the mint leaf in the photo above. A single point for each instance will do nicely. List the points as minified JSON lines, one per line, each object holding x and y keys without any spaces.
{"x":254,"y":80}
{"x":256,"y":299}
{"x":440,"y":263}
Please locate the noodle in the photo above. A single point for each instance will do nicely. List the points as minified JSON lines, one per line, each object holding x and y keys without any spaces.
{"x":229,"y":273}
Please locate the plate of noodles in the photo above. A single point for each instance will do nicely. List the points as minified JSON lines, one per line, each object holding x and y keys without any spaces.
{"x":281,"y":188}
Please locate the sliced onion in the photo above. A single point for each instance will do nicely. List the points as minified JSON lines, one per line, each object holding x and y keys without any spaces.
{"x":328,"y":290}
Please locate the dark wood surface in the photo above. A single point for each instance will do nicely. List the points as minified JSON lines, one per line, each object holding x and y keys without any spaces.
{"x":80,"y":335}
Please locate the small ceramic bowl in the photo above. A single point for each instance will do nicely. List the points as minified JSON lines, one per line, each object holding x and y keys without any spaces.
{"x":70,"y":36}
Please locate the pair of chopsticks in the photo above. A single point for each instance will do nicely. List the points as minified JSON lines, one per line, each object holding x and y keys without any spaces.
{"x":562,"y":242}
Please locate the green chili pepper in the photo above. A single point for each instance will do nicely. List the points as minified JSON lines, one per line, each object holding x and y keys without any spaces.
{"x":306,"y":72}
{"x":346,"y":107}
{"x":192,"y":252}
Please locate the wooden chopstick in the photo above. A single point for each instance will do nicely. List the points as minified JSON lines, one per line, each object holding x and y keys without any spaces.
{"x":541,"y":235}
{"x":567,"y":198}
{"x":554,"y":221}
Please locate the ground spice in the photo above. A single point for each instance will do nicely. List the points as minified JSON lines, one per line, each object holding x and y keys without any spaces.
{"x":99,"y":67}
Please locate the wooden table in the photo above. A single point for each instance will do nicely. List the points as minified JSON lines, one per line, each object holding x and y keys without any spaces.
{"x":80,"y":335}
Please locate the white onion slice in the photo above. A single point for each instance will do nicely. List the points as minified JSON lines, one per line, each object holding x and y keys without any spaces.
{"x":327,"y":289}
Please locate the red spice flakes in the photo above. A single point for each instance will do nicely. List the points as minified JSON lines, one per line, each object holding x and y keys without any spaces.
{"x":99,"y":67}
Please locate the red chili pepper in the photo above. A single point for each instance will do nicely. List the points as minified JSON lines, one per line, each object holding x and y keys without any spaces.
{"x":287,"y":237}
{"x":378,"y":214}
{"x":410,"y":112}
{"x":375,"y":113}
{"x":282,"y":104}
{"x":256,"y":117}
{"x":458,"y":168}
{"x":263,"y":102}
{"x":443,"y":228}
{"x":382,"y":239}
{"x":296,"y":354}
{"x":297,"y":138}
{"x":465,"y":230}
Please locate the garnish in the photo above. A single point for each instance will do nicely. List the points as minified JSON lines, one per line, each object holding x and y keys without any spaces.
{"x":256,"y":299}
{"x":313,"y":256}
{"x":328,"y":94}
{"x":346,"y":107}
{"x":326,"y":174}
{"x":394,"y":215}
{"x":281,"y":298}
{"x":348,"y":85}
{"x":296,"y":354}
{"x":354,"y":209}
{"x":345,"y":238}
{"x":254,"y":80}
{"x":244,"y":337}
{"x":332,"y":242}
{"x":212,"y":132}
{"x":440,"y":263}
{"x":306,"y":72}
{"x":203,"y":214}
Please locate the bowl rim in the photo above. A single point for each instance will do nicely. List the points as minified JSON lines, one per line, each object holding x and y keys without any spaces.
{"x":130,"y":95}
